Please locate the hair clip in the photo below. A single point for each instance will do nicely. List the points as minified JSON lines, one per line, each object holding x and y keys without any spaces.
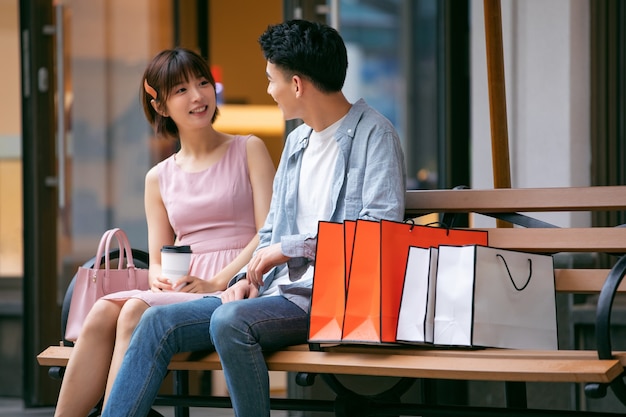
{"x":151,"y":91}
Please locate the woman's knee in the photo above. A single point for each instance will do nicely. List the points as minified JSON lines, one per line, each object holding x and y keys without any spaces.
{"x":130,"y":315}
{"x":102,"y":318}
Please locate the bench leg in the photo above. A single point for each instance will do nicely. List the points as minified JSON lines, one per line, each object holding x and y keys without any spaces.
{"x":181,"y":387}
{"x":515,"y":393}
{"x":449,"y":392}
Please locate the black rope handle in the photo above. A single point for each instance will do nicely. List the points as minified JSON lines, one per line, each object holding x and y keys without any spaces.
{"x":530,"y":274}
{"x":442,"y":224}
{"x":410,"y":221}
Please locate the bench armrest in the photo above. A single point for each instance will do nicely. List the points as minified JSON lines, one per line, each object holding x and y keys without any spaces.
{"x":603,"y":329}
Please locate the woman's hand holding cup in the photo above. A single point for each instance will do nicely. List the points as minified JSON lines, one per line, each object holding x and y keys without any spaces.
{"x":175,"y":262}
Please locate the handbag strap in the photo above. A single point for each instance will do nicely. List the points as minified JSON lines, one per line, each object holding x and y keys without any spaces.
{"x":123,"y":241}
{"x":107,"y":250}
{"x":104,"y":249}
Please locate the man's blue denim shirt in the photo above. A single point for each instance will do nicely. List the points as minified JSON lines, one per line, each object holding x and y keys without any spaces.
{"x":369,"y":183}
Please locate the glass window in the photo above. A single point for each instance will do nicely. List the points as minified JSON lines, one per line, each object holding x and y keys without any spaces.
{"x":398,"y":62}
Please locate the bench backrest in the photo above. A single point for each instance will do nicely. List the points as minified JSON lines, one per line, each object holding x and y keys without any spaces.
{"x":540,"y":240}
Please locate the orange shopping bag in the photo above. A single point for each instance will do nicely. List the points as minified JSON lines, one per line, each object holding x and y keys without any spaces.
{"x":379,"y":260}
{"x":361,"y":321}
{"x":349,"y":227}
{"x":332,"y":260}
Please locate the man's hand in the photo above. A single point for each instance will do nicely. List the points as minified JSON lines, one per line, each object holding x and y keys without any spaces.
{"x":193,"y":284}
{"x":238,"y":291}
{"x":262,"y":261}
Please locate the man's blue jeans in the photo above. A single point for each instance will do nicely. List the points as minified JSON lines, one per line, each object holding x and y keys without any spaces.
{"x":239,"y":331}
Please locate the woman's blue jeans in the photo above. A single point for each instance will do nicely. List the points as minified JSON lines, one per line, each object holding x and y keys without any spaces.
{"x":239,"y":331}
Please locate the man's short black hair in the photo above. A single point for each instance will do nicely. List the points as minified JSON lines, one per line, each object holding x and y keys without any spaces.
{"x":308,"y":49}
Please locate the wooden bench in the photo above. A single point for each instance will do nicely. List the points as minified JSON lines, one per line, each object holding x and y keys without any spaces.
{"x":596,"y":370}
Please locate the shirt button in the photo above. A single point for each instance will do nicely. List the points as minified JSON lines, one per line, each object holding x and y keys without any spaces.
{"x":349,"y":130}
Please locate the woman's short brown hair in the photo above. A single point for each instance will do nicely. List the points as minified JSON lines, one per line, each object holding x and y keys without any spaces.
{"x":167,"y":69}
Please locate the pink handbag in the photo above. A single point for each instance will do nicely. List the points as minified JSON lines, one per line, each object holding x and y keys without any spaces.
{"x":93,"y":283}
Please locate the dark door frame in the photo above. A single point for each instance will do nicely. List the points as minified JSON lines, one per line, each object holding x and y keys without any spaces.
{"x":41,"y":314}
{"x":608,"y":99}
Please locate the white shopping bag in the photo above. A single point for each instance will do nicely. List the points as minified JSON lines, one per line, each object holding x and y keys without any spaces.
{"x":495,"y":298}
{"x":417,"y":308}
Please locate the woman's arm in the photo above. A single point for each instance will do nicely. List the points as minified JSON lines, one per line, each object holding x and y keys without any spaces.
{"x":160,"y":231}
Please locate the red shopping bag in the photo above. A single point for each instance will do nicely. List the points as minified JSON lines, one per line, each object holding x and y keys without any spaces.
{"x":377,"y":270}
{"x":349,"y":227}
{"x":334,"y":249}
{"x":361,"y":321}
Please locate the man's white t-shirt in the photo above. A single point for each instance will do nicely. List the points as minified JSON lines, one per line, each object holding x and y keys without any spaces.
{"x":314,"y":202}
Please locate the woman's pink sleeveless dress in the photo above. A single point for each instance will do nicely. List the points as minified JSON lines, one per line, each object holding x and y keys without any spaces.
{"x":211,"y":210}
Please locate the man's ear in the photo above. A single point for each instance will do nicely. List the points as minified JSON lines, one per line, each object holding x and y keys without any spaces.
{"x":157,"y":108}
{"x":298,"y":85}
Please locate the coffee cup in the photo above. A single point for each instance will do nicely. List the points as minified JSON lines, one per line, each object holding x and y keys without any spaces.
{"x":175,"y":263}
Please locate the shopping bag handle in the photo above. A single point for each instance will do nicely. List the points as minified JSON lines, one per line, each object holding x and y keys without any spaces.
{"x":530,"y":272}
{"x":439,"y":223}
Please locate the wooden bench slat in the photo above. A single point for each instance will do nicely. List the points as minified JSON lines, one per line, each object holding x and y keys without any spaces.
{"x":468,"y":353}
{"x":54,"y":356}
{"x":596,"y":239}
{"x":486,"y":364}
{"x":556,"y":240}
{"x":469,"y":368}
{"x":582,"y":281}
{"x":517,"y":200}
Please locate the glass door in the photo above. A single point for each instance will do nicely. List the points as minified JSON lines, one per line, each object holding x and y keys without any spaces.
{"x":86,"y":165}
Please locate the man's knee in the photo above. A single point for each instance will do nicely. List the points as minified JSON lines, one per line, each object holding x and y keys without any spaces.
{"x":224,"y":319}
{"x":150,"y":318}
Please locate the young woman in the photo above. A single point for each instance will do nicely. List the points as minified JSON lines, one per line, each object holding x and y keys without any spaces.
{"x":213,"y":194}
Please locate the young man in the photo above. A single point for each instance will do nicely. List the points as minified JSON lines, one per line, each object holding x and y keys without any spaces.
{"x":344,"y":162}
